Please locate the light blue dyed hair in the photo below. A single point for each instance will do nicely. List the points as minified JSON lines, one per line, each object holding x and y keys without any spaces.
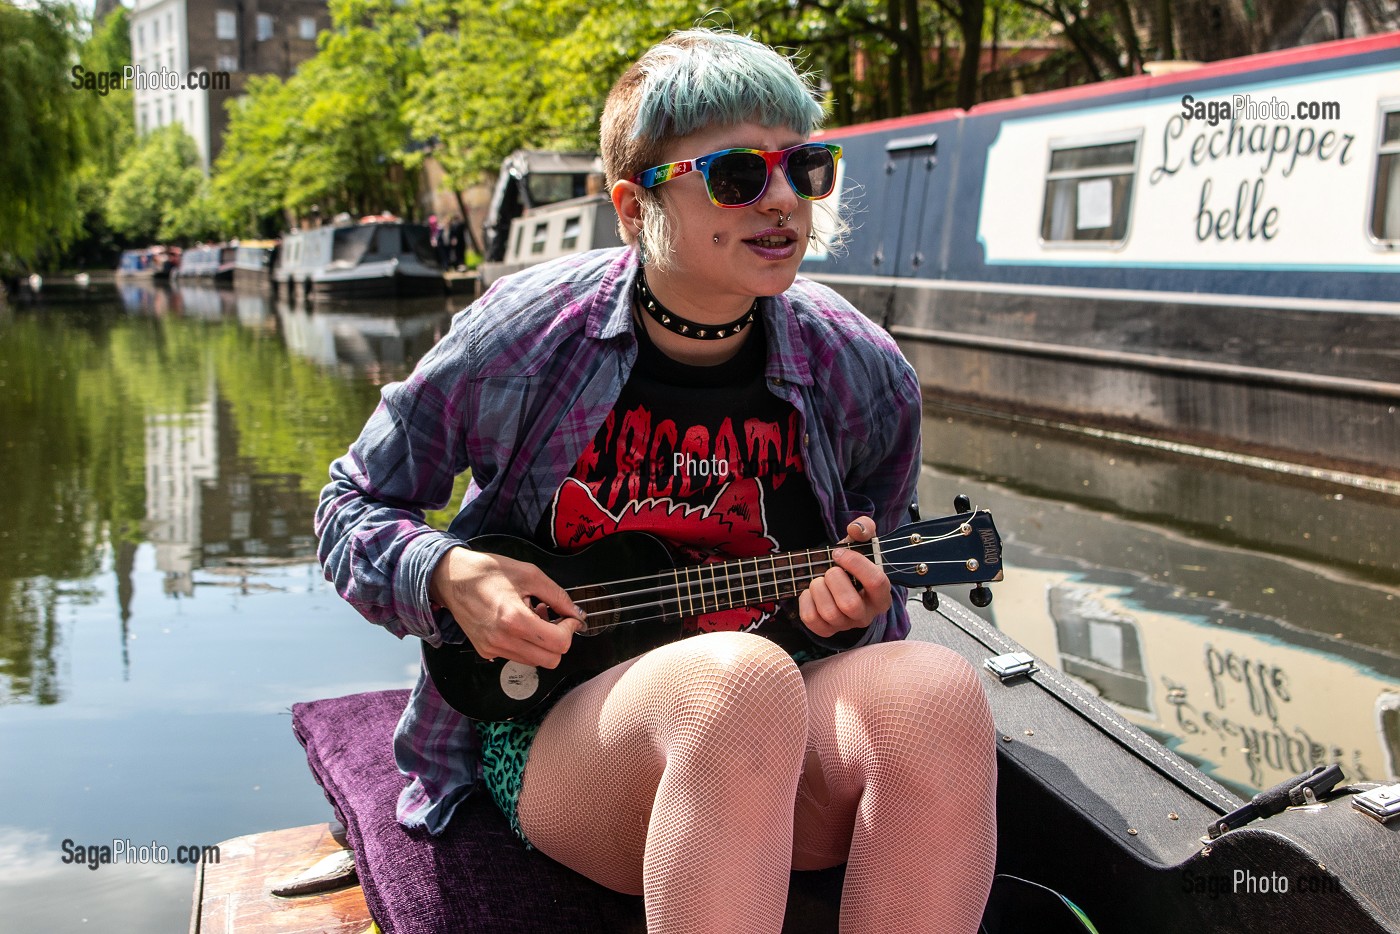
{"x":696,"y":79}
{"x":702,"y":78}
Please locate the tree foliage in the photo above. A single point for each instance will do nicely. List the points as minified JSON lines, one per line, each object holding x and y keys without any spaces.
{"x":334,"y":136}
{"x":160,"y":192}
{"x":111,"y":132}
{"x":42,"y":131}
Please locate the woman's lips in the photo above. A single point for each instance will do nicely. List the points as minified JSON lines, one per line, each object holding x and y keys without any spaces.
{"x":773,"y":243}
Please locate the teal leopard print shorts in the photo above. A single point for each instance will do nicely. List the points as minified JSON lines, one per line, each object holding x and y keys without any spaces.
{"x":504,"y":748}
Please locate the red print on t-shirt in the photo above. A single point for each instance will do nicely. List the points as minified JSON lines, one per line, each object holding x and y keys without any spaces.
{"x":733,"y":525}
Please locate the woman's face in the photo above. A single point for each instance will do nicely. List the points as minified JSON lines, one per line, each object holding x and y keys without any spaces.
{"x":726,"y":256}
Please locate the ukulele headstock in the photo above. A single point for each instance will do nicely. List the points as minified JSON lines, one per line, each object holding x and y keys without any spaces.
{"x":962,"y":548}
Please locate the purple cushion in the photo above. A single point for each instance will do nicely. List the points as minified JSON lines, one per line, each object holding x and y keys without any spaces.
{"x":477,"y":876}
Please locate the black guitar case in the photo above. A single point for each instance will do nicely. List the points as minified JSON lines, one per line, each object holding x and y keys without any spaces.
{"x":1094,"y":809}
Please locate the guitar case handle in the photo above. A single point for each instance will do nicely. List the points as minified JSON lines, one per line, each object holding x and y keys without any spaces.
{"x":1302,"y":789}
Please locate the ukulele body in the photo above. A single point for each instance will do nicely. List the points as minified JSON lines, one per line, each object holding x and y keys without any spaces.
{"x":505,"y":690}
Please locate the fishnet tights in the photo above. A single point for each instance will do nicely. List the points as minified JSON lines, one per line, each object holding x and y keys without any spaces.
{"x":900,"y":784}
{"x":710,"y":735}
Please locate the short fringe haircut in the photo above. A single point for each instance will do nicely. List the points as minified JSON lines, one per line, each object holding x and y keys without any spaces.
{"x":695,"y":79}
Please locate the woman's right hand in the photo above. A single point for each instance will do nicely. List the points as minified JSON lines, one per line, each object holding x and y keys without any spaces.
{"x":501,"y":605}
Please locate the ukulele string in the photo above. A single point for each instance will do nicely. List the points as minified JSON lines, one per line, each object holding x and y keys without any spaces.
{"x":743,"y":575}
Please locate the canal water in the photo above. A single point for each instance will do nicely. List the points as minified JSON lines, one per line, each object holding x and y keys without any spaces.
{"x":161,"y":610}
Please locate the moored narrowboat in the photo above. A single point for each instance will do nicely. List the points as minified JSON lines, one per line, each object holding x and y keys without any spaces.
{"x":368,"y":259}
{"x":253,"y":263}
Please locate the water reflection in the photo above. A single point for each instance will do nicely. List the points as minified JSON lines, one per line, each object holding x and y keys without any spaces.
{"x":195,"y":419}
{"x":1248,"y":620}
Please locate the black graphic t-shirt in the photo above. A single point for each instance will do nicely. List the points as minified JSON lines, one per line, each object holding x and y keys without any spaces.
{"x":704,"y":458}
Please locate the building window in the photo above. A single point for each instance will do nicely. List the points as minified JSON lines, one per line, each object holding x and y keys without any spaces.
{"x":1385,"y":210}
{"x":228,"y":63}
{"x":140,"y":37}
{"x":155,"y":31}
{"x":264,"y":27}
{"x":144,"y":118}
{"x":1089,"y":193}
{"x":226,"y":25}
{"x":308,"y":27}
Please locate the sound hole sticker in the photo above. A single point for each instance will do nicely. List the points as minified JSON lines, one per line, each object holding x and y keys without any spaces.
{"x":519,"y":681}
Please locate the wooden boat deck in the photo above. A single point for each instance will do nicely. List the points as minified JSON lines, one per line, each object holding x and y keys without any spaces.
{"x":234,"y":895}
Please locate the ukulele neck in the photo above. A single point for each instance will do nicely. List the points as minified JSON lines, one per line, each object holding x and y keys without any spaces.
{"x":709,"y":588}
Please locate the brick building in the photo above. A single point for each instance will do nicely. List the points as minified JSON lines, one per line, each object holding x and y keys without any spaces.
{"x":201,"y":40}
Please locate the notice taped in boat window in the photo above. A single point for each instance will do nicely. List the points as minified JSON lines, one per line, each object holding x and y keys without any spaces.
{"x":1095,"y":208}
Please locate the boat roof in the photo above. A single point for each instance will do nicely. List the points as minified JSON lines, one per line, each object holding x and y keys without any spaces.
{"x":1321,"y":51}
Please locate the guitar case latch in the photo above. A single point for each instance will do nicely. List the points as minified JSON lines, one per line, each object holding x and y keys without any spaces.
{"x":1012,"y":665}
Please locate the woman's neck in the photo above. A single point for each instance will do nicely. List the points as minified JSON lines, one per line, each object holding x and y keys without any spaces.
{"x":715,"y":309}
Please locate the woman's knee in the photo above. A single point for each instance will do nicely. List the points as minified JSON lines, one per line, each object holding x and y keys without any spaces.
{"x":915,"y":688}
{"x":731,"y":687}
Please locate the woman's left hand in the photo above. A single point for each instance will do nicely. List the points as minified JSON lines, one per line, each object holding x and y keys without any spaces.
{"x":832,"y":603}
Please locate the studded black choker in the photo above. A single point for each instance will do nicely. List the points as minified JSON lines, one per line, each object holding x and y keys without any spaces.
{"x":684,"y":326}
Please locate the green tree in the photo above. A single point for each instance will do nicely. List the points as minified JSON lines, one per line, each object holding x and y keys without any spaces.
{"x":111,"y":133}
{"x":249,"y":184}
{"x":159,"y":192}
{"x":333,"y":137}
{"x":42,"y":132}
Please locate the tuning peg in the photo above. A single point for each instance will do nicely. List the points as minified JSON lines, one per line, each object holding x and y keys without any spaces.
{"x":980,"y":596}
{"x":961,"y":503}
{"x":930,"y":598}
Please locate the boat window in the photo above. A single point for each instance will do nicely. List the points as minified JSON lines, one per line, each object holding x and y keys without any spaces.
{"x":540,"y":238}
{"x":1100,"y":645}
{"x":573,"y":226}
{"x":351,"y":243}
{"x":555,"y":186}
{"x":1385,"y":210}
{"x":417,"y":241}
{"x":1088,"y":192}
{"x":515,"y":247}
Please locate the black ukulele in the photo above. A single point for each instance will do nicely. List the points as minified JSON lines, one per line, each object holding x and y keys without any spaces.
{"x":635,"y":598}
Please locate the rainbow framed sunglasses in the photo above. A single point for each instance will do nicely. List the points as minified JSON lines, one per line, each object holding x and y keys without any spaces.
{"x":736,"y":178}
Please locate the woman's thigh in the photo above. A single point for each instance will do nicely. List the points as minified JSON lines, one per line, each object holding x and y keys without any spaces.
{"x":592,"y":776}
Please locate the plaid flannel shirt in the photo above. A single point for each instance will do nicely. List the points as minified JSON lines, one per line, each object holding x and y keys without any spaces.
{"x":515,"y":392}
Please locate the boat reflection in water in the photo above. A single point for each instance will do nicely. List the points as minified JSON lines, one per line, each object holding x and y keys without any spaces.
{"x":1246,"y":620}
{"x":344,"y":337}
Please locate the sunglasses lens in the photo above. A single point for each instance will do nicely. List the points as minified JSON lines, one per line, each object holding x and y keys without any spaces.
{"x":738,"y":178}
{"x":812,"y":171}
